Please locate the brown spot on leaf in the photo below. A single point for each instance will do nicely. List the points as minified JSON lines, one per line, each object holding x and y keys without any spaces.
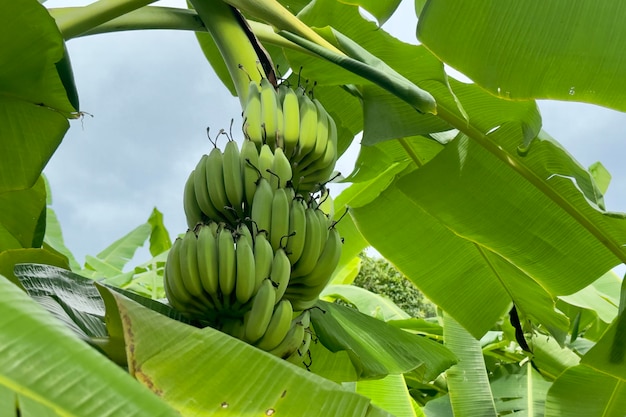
{"x":224,"y":404}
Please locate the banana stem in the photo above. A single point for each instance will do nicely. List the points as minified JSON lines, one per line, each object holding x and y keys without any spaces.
{"x":172,"y":18}
{"x":233,"y":43}
{"x":274,"y":13}
{"x":85,"y":18}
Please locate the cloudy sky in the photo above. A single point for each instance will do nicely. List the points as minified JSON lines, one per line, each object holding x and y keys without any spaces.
{"x":152,"y":95}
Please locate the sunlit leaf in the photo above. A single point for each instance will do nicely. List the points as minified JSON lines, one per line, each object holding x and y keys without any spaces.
{"x":203,"y":371}
{"x":23,"y":217}
{"x":375,"y":348}
{"x":84,"y":383}
{"x":564,"y":50}
{"x":468,"y":384}
{"x":33,"y":100}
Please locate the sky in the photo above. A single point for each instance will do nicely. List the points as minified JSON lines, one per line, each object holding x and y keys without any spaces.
{"x":151,"y":95}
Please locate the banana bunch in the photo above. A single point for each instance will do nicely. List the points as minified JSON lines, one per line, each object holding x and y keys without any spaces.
{"x":259,"y":250}
{"x":282,"y":118}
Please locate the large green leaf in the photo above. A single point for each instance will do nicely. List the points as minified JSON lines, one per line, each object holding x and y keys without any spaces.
{"x":596,"y":387}
{"x":44,"y":361}
{"x":34,"y":103}
{"x":564,"y":49}
{"x":10,"y":258}
{"x":110,"y":262}
{"x":524,"y":391}
{"x":23,"y":217}
{"x":366,"y":302}
{"x":468,"y":384}
{"x":380,"y":9}
{"x":159,"y":236}
{"x":201,"y":372}
{"x":389,"y":393}
{"x":375,"y":348}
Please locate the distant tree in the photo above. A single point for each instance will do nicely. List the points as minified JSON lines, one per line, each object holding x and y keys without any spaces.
{"x":381,"y":277}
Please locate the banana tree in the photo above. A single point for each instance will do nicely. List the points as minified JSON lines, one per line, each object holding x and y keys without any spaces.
{"x":456,"y":184}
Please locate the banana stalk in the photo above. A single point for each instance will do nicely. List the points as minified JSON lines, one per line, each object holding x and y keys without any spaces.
{"x":274,"y":13}
{"x":225,"y":26}
{"x":82,"y":19}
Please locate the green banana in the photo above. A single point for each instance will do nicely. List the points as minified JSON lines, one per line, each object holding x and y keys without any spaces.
{"x":281,"y":167}
{"x":175,"y":288}
{"x":304,"y":318}
{"x":326,"y":263}
{"x":252,"y":129}
{"x":249,"y":158}
{"x":324,"y":222}
{"x":263,"y":259}
{"x":278,"y":326}
{"x":233,"y":179}
{"x":296,"y":357}
{"x":311,"y":250}
{"x":227,"y":265}
{"x":189,"y":269}
{"x":261,"y":213}
{"x":244,"y":230}
{"x":290,"y":343}
{"x":266,"y":162}
{"x":201,"y":189}
{"x":321,"y":140}
{"x":297,"y":229}
{"x":193,"y":212}
{"x":269,"y":116}
{"x":281,"y":270}
{"x":320,"y":172}
{"x":291,"y":117}
{"x":279,"y":226}
{"x":257,"y":319}
{"x":208,"y":262}
{"x":308,"y":126}
{"x":302,"y":298}
{"x":245,"y":282}
{"x":215,"y":182}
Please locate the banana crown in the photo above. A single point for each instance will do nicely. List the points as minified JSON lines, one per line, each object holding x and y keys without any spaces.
{"x":259,"y":250}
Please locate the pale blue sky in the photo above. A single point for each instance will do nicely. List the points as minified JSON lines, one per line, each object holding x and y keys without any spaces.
{"x":152,"y":95}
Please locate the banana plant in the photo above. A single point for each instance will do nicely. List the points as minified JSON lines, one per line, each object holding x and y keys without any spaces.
{"x":475,"y":195}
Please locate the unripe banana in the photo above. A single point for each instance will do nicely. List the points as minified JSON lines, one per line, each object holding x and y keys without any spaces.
{"x":257,"y":319}
{"x":290,"y":343}
{"x":279,"y":226}
{"x":326,"y":263}
{"x":278,"y":327}
{"x":281,"y":270}
{"x":304,"y":318}
{"x":261,"y":213}
{"x":301,"y":298}
{"x":249,"y":158}
{"x":233,"y":179}
{"x":269,"y":116}
{"x":280,"y":126}
{"x":320,"y":171}
{"x":266,"y":162}
{"x":215,"y":182}
{"x":208,"y":262}
{"x":175,"y":288}
{"x":201,"y":189}
{"x":227,"y":265}
{"x":297,"y":230}
{"x":324,"y":222}
{"x":193,"y":212}
{"x":297,"y":356}
{"x":252,"y":116}
{"x":321,"y":139}
{"x":308,"y":126}
{"x":189,"y":269}
{"x":311,"y":250}
{"x":263,"y":259}
{"x":282,"y":168}
{"x":244,"y":230}
{"x":291,"y":117}
{"x":245,"y":286}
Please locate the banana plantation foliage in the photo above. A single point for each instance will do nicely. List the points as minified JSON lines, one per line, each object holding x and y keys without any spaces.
{"x":492,"y":291}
